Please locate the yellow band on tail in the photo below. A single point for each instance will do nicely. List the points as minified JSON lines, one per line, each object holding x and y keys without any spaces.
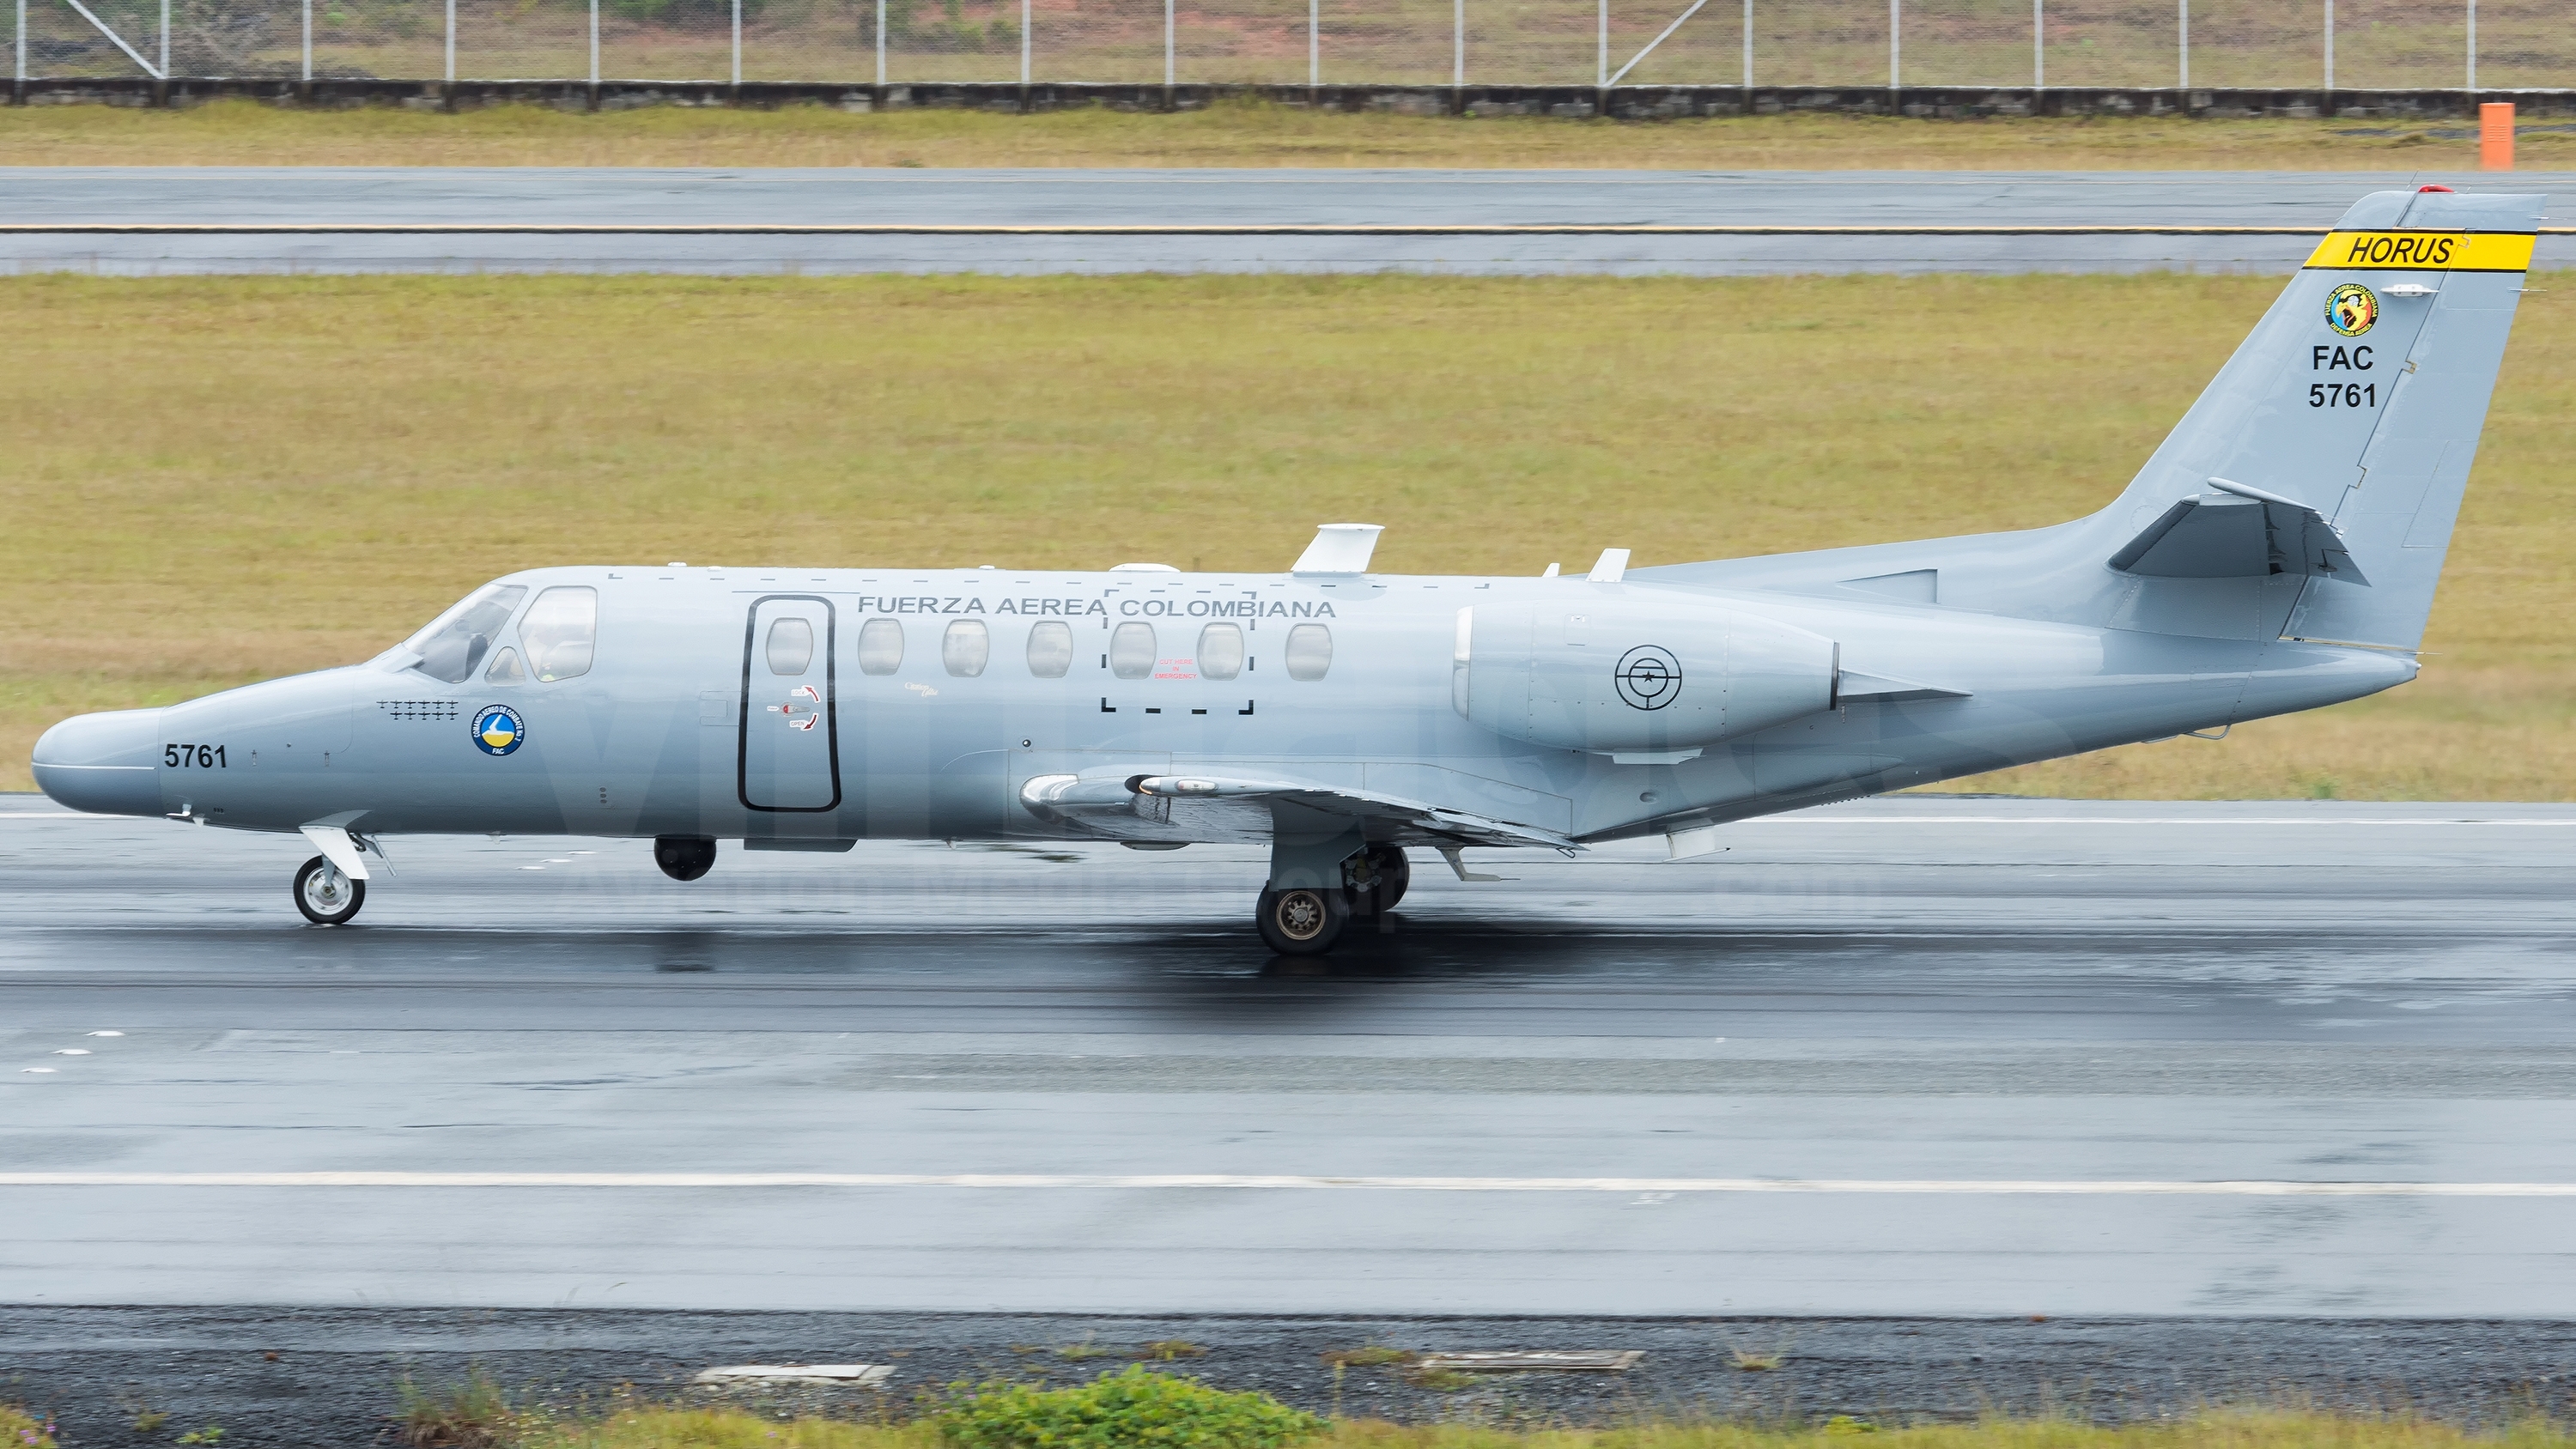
{"x":2423,"y":251}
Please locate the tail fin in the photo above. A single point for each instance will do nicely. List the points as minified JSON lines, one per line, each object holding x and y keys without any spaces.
{"x":2360,"y":395}
{"x":2308,"y":494}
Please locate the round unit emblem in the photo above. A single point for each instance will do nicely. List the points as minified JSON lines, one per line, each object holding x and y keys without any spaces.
{"x":498,"y":729}
{"x":2351,"y":309}
{"x":1649,"y":677}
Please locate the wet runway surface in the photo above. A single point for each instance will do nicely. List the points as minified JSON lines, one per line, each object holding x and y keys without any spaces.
{"x":420,"y":196}
{"x":1919,"y":1056}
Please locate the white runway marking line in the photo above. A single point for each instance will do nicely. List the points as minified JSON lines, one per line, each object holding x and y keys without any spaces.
{"x":1296,"y":1183}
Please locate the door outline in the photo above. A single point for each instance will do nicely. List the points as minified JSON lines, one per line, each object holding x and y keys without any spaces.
{"x":831,"y":705}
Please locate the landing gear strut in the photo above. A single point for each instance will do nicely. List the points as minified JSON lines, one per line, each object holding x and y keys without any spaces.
{"x":684,"y":857}
{"x":325,"y":893}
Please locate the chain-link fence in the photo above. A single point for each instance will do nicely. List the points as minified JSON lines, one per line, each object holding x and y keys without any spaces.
{"x":2273,"y":44}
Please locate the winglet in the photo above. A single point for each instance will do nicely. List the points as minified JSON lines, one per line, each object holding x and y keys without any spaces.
{"x":1612,"y":567}
{"x":1339,"y":548}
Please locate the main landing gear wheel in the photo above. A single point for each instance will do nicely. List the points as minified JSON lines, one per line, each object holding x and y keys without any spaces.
{"x":325,"y":893}
{"x":684,"y":857}
{"x":1303,"y":920}
{"x":1386,"y":875}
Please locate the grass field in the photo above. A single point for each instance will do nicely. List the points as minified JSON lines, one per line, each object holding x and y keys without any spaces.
{"x":680,"y":1429}
{"x":242,"y":133}
{"x":214,"y":480}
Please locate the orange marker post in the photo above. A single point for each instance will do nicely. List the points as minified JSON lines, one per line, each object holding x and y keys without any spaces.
{"x":2495,"y":136}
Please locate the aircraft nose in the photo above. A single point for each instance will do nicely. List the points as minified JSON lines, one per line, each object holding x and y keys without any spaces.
{"x":105,"y":764}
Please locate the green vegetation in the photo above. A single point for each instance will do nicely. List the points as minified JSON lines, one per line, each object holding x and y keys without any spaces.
{"x":22,"y":1430}
{"x":244,"y":133}
{"x":472,"y":1414}
{"x":1131,"y":1409}
{"x":701,"y":1429}
{"x":210,"y":481}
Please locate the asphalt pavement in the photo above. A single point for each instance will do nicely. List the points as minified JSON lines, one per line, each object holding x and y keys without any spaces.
{"x":1920,"y":1056}
{"x":1030,"y":221}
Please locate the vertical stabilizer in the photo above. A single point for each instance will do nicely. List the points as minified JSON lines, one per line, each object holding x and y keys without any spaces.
{"x":2360,"y":395}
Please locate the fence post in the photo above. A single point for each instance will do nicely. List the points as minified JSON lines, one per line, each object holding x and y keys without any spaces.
{"x":2038,"y":47}
{"x":881,"y":7}
{"x":594,"y":52}
{"x":1895,"y":41}
{"x":450,"y":71}
{"x":1457,"y":46}
{"x":1314,"y":45}
{"x":308,"y":41}
{"x":1748,"y":57}
{"x":1024,"y":49}
{"x":2329,"y":44}
{"x":2183,"y":29}
{"x":21,"y":72}
{"x":1167,"y":54}
{"x":165,"y":39}
{"x":1601,"y":50}
{"x":737,"y":42}
{"x":2473,"y":44}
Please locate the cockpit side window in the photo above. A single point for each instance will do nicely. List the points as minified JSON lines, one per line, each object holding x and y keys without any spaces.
{"x":454,"y":644}
{"x":558,"y":632}
{"x":505,"y":668}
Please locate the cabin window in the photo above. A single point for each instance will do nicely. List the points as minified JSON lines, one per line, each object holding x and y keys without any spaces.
{"x":791,"y":645}
{"x":880,"y":646}
{"x":453,"y":645}
{"x":1221,"y":651}
{"x":1050,"y":649}
{"x":558,"y":632}
{"x":965,"y":647}
{"x":505,"y":669}
{"x":1131,"y":651}
{"x":1310,"y":651}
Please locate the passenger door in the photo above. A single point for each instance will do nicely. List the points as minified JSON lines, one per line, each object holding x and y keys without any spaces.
{"x":790,"y":756}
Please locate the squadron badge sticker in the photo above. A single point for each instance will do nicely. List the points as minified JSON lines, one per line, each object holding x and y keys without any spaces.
{"x":2351,"y":309}
{"x":498,"y":729}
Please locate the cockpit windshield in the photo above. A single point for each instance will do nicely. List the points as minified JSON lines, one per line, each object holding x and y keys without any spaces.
{"x":453,"y":645}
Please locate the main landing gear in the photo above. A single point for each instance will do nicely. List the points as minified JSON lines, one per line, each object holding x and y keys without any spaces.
{"x":325,"y":893}
{"x":1319,"y":886}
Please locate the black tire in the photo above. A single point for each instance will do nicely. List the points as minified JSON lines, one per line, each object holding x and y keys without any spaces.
{"x":1395,"y":875}
{"x":1303,"y":920}
{"x":1389,"y":873}
{"x":684,"y":857}
{"x":325,"y":895}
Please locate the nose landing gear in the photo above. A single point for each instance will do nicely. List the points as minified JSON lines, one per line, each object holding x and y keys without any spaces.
{"x":325,"y":893}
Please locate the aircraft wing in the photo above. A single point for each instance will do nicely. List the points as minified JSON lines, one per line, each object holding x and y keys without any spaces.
{"x":1432,"y":820}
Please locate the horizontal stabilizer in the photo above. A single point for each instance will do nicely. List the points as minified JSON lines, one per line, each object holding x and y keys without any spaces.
{"x":1852,"y":686}
{"x":2240,"y":533}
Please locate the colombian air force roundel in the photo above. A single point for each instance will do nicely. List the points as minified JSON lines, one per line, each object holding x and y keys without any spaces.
{"x":2351,"y":309}
{"x":498,"y":729}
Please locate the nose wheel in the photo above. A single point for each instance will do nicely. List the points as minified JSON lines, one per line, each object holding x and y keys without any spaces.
{"x":325,"y":893}
{"x":1303,"y":920}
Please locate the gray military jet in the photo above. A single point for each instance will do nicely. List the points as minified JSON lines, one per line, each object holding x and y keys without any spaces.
{"x":2279,"y":552}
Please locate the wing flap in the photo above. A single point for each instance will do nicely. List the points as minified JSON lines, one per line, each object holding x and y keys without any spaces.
{"x":1434,"y":820}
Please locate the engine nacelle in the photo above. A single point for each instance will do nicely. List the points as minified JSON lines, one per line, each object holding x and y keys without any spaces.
{"x":1635,"y":676}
